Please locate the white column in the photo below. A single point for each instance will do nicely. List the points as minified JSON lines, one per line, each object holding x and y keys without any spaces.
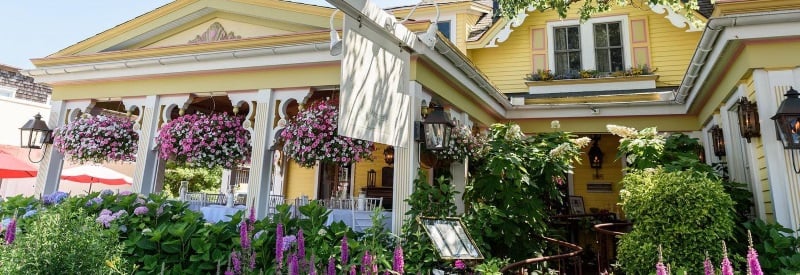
{"x":459,"y":172}
{"x":52,"y":161}
{"x":259,"y":181}
{"x":406,"y":162}
{"x":144,"y":175}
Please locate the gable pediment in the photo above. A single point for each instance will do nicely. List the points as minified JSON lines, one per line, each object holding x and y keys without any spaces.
{"x":203,"y":21}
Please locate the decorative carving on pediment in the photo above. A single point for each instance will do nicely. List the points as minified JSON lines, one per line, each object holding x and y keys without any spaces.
{"x":215,"y":32}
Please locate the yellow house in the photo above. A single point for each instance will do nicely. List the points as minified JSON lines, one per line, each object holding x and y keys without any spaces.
{"x":637,"y":66}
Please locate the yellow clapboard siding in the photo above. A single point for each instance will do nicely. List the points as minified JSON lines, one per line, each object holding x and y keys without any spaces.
{"x":670,"y":49}
{"x":299,"y":181}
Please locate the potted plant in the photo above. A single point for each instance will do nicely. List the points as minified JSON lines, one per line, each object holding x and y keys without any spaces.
{"x":97,"y":139}
{"x":200,"y":140}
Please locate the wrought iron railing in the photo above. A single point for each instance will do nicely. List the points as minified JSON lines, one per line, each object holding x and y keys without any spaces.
{"x":566,"y":263}
{"x":607,"y":236}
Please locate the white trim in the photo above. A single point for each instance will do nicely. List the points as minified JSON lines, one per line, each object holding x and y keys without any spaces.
{"x":588,"y":60}
{"x":740,"y":157}
{"x":678,"y":20}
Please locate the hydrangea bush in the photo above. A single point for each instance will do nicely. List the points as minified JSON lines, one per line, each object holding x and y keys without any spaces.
{"x":98,"y":139}
{"x":200,"y":140}
{"x":463,"y":144}
{"x":312,"y":136}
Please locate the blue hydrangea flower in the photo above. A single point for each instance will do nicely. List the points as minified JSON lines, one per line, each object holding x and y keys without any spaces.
{"x":6,"y":221}
{"x":106,"y":192}
{"x":29,"y":213}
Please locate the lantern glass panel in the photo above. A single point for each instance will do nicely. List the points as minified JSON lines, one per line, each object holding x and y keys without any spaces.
{"x":437,"y":136}
{"x":789,"y":126}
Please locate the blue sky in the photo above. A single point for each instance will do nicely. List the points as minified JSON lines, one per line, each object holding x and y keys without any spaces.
{"x":37,"y":28}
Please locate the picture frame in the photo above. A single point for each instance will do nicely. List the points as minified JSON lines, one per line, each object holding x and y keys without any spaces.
{"x":576,"y":205}
{"x":450,"y":238}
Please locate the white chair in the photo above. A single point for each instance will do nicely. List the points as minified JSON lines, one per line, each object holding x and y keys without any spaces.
{"x":362,"y":212}
{"x":340,"y":204}
{"x":196,"y":200}
{"x":272,"y":203}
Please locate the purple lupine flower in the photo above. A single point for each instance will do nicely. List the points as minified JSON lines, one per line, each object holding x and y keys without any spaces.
{"x":293,"y":268}
{"x":312,"y":270}
{"x":253,"y":260}
{"x":366,"y":262}
{"x":661,"y":269}
{"x":245,"y":240}
{"x":301,"y":247}
{"x":344,"y":250}
{"x":459,"y":264}
{"x":708,"y":267}
{"x":279,"y":245}
{"x":228,"y":272}
{"x":11,"y":231}
{"x":353,"y":270}
{"x":727,"y":268}
{"x":141,"y":210}
{"x":237,"y":264}
{"x":332,"y":266}
{"x":252,"y":215}
{"x":752,"y":257}
{"x":398,"y":263}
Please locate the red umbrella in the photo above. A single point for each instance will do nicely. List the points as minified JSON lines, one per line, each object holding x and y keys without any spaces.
{"x":95,"y":173}
{"x":11,"y":167}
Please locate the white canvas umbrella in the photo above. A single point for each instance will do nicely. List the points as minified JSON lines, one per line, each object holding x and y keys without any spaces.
{"x":95,"y":174}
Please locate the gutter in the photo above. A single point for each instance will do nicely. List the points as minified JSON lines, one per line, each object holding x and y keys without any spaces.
{"x":714,"y":28}
{"x":179,"y":59}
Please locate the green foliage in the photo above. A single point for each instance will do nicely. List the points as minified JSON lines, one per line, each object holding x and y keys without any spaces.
{"x":686,"y":212}
{"x":776,"y":246}
{"x":58,"y":241}
{"x":491,"y":266}
{"x":588,"y":8}
{"x":426,"y":201}
{"x":200,"y":179}
{"x":514,"y":186}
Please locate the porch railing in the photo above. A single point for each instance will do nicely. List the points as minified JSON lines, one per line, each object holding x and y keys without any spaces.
{"x":607,"y":236}
{"x":566,"y":263}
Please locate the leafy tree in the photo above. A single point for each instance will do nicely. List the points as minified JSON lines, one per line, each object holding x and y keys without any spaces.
{"x":200,"y":179}
{"x":588,"y":8}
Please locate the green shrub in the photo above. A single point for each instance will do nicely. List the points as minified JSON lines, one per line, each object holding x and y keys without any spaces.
{"x":64,"y":242}
{"x":686,"y":212}
{"x":777,"y":248}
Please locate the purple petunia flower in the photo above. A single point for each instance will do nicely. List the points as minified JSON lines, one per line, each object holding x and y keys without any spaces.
{"x":459,"y":264}
{"x":141,"y":210}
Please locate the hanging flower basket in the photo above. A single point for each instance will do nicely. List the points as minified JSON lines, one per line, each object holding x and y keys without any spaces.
{"x":463,"y":144}
{"x":202,"y":140}
{"x":313,"y":137}
{"x":98,"y":139}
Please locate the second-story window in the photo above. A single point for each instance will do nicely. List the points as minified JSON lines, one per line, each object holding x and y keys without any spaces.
{"x":444,"y":28}
{"x":608,"y":47}
{"x":567,"y":49}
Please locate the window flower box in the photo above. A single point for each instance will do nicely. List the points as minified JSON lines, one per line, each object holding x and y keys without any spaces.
{"x":592,"y":84}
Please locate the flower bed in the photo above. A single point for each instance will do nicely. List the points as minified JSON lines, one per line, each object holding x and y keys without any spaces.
{"x":98,"y":139}
{"x":202,"y":140}
{"x":313,"y":137}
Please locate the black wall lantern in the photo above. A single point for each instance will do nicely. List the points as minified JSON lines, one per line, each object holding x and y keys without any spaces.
{"x":787,"y":123}
{"x":35,"y":135}
{"x":436,"y":127}
{"x":748,"y":119}
{"x":388,"y":155}
{"x":596,"y":156}
{"x":717,"y":141}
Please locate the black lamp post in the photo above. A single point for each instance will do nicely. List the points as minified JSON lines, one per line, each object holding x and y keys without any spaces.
{"x":596,"y":157}
{"x":787,"y":122}
{"x":436,"y":128}
{"x":717,"y":141}
{"x":749,"y":126}
{"x":35,"y":135}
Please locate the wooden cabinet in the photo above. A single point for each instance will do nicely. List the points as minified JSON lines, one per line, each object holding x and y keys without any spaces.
{"x":380,"y":192}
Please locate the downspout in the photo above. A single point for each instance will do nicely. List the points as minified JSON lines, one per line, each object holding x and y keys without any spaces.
{"x":714,"y":28}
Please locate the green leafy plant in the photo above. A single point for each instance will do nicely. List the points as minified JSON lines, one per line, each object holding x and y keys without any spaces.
{"x":515,"y":187}
{"x":59,"y":241}
{"x":199,"y":178}
{"x":776,"y":246}
{"x":685,"y":212}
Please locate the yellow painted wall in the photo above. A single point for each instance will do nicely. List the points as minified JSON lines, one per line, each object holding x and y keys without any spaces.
{"x":670,"y":48}
{"x":242,"y":29}
{"x":611,"y":173}
{"x":761,"y":161}
{"x":299,"y":181}
{"x":362,"y":168}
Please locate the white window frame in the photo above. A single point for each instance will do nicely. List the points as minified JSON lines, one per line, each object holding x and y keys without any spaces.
{"x":6,"y":91}
{"x":588,"y":60}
